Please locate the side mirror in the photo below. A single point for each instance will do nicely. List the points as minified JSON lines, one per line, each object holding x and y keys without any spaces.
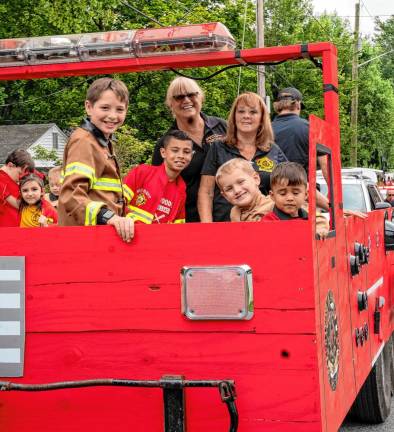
{"x":388,"y":235}
{"x":382,"y":205}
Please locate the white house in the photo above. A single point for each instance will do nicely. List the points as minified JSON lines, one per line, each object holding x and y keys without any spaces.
{"x":29,"y":137}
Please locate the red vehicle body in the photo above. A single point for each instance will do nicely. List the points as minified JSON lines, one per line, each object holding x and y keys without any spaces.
{"x":96,"y":307}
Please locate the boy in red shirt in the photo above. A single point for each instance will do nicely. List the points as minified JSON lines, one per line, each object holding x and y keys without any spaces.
{"x":17,"y":164}
{"x":157,"y":194}
{"x":289,"y":191}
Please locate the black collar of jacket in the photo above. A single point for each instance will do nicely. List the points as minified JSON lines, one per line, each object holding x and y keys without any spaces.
{"x":87,"y":125}
{"x":235,"y":151}
{"x":210,"y":122}
{"x":302,"y":214}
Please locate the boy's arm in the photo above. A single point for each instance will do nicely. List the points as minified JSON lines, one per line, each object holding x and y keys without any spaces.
{"x":49,"y":212}
{"x":134,"y":180}
{"x":129,"y":184}
{"x":322,"y":225}
{"x":181,"y":214}
{"x":12,"y":201}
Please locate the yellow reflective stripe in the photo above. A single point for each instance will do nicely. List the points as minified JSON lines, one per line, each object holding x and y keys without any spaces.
{"x":136,"y":217}
{"x":177,"y":221}
{"x":91,"y":212}
{"x":61,"y":176}
{"x":107,"y":184}
{"x":128,"y":193}
{"x":80,"y":168}
{"x":141,"y":215}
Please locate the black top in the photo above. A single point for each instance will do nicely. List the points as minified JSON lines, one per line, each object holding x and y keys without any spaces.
{"x":215,"y":128}
{"x":302,"y":214}
{"x":292,"y":136}
{"x":263,"y":162}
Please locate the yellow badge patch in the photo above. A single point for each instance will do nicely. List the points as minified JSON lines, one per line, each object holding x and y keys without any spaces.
{"x":265,"y":164}
{"x":140,"y":200}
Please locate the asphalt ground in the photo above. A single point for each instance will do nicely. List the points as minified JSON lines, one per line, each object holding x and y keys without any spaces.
{"x":387,"y":426}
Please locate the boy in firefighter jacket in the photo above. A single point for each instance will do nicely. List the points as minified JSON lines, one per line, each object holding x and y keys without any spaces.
{"x":158,"y":193}
{"x":91,"y":193}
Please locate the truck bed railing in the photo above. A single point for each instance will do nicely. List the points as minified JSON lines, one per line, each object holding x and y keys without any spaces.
{"x":173,"y":394}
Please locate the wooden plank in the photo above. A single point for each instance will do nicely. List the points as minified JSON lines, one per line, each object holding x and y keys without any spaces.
{"x":63,"y":318}
{"x":270,"y":385}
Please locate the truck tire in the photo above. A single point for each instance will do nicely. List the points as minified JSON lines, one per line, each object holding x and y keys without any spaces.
{"x":372,"y":404}
{"x":392,"y":364}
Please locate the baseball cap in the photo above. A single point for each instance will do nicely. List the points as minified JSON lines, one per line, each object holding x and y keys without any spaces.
{"x":290,"y":93}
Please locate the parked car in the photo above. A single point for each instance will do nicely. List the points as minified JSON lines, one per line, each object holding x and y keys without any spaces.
{"x":359,"y":192}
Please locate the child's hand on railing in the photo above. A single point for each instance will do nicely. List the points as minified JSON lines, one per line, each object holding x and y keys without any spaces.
{"x":43,"y":221}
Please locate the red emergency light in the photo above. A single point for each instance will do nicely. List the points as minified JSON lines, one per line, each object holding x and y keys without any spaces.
{"x":115,"y":45}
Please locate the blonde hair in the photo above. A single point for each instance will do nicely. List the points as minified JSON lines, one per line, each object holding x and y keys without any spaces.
{"x":55,"y":171}
{"x":182,"y":85}
{"x":233,"y":164}
{"x":264,"y":135}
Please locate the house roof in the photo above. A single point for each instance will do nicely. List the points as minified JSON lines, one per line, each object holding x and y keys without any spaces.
{"x":23,"y":136}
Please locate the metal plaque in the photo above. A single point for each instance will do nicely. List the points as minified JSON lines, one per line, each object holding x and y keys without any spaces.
{"x":217,"y":292}
{"x":12,"y":316}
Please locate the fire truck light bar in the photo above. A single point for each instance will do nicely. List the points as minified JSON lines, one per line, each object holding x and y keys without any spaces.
{"x":115,"y":44}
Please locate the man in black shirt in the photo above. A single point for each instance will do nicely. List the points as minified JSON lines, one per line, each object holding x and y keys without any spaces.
{"x":291,"y":131}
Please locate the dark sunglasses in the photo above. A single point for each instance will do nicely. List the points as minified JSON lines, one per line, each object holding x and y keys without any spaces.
{"x":180,"y":97}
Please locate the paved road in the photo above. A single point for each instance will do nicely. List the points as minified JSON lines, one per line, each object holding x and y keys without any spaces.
{"x":388,"y":426}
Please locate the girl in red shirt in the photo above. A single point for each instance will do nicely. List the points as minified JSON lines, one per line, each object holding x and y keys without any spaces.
{"x":34,"y":210}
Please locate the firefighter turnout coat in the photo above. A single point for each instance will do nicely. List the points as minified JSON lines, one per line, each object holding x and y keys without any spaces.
{"x":91,"y":178}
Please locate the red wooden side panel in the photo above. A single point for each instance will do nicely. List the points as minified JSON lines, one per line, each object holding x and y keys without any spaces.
{"x":355,"y":231}
{"x":96,"y":307}
{"x":335,"y":353}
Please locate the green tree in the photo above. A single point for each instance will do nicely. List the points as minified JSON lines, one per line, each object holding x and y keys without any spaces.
{"x":287,"y":22}
{"x":385,"y":39}
{"x":41,"y":153}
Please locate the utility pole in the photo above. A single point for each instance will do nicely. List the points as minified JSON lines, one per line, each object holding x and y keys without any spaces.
{"x":354,"y":106}
{"x":260,"y":44}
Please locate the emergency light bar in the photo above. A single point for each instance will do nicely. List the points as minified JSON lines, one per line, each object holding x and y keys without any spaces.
{"x":115,"y":44}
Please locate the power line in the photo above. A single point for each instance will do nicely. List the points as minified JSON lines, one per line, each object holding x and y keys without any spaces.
{"x":365,"y":7}
{"x":142,"y":13}
{"x":333,"y":15}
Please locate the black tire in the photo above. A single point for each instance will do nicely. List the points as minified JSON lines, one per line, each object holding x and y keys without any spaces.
{"x":392,"y":364}
{"x":373,"y":402}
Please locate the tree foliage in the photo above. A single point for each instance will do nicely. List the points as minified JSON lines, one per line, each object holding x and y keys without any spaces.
{"x":286,"y":22}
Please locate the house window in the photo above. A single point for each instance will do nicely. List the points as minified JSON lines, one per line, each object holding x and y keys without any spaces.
{"x":55,"y":140}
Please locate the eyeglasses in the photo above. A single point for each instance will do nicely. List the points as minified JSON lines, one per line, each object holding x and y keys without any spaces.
{"x":181,"y":97}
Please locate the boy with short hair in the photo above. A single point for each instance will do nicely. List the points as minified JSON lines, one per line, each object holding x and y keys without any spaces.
{"x":158,"y":193}
{"x":289,"y":192}
{"x":17,"y":164}
{"x":91,"y":193}
{"x":54,"y":186}
{"x":239,"y":184}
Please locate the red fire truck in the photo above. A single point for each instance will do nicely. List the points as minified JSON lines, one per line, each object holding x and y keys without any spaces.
{"x":289,"y":331}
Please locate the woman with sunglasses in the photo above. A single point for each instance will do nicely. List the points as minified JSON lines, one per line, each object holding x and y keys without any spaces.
{"x":249,"y":136}
{"x":185,"y":99}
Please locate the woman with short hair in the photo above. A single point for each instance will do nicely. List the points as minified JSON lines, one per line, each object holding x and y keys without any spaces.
{"x":185,"y":99}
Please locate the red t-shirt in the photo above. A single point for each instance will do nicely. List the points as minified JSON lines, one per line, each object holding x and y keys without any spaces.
{"x":9,"y":216}
{"x":152,"y":197}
